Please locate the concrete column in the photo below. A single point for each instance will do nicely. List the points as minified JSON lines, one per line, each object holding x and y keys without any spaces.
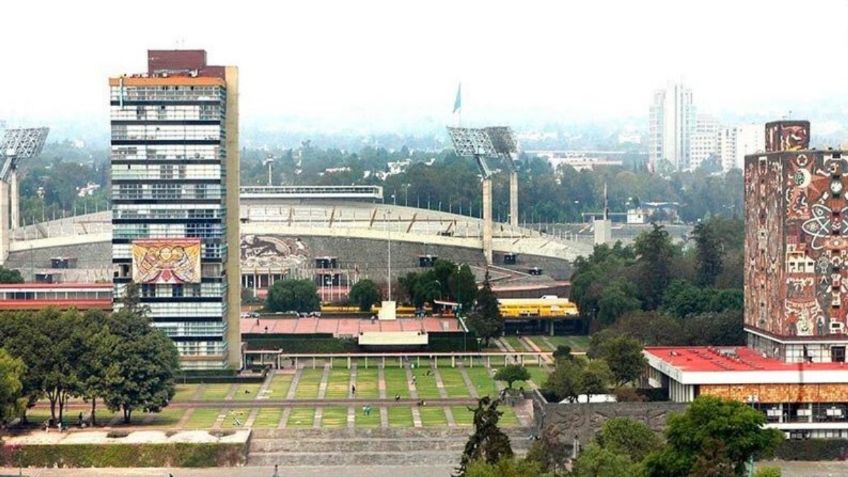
{"x":487,"y":220}
{"x":15,"y":199}
{"x":513,"y":199}
{"x":4,"y":221}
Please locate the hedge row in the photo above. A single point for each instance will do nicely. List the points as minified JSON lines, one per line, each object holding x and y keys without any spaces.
{"x":303,"y":345}
{"x":812,"y":449}
{"x":124,"y":455}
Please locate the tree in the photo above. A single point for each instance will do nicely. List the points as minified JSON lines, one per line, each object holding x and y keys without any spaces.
{"x":512,"y":373}
{"x":10,"y":276}
{"x":625,"y":436}
{"x":616,"y":300}
{"x":566,"y":381}
{"x":655,"y":253}
{"x":562,"y":352}
{"x":708,"y":254}
{"x":464,"y":287}
{"x":364,"y":294}
{"x":487,"y":443}
{"x":625,"y":359}
{"x":596,"y":377}
{"x":712,"y":430}
{"x":504,"y":468}
{"x":142,"y":364}
{"x":595,"y":461}
{"x":97,"y":343}
{"x":12,"y":400}
{"x":486,"y":320}
{"x":293,"y":295}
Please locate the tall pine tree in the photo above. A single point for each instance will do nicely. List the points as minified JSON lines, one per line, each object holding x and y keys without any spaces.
{"x":486,"y":320}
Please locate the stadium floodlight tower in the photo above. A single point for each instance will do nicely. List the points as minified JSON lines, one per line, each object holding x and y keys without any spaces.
{"x":506,"y":146}
{"x":16,"y":145}
{"x":483,"y":144}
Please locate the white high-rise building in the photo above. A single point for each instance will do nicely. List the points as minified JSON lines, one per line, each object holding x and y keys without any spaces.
{"x":672,"y":123}
{"x":727,"y":148}
{"x":750,"y":139}
{"x":704,"y":141}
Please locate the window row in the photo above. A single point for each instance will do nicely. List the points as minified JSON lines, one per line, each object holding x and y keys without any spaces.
{"x":170,"y":211}
{"x":165,"y":171}
{"x":172,"y":93}
{"x":193,"y":329}
{"x":187,"y":309}
{"x":201,"y":348}
{"x":171,"y":151}
{"x":201,"y":230}
{"x":201,"y":112}
{"x":170,"y":132}
{"x":166,"y":191}
{"x":193,"y":290}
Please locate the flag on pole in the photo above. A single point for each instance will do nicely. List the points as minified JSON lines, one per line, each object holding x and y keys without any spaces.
{"x":457,"y":103}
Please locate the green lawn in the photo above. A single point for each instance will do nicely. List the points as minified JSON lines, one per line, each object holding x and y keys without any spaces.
{"x":482,"y":381}
{"x":307,"y":387}
{"x":235,"y":414}
{"x":247,"y":392}
{"x":268,"y":417}
{"x":39,"y":416}
{"x":400,"y":417}
{"x":215,"y":391}
{"x":202,"y":418}
{"x":462,"y":416}
{"x":516,"y":343}
{"x":371,"y":420}
{"x":301,"y":417}
{"x":577,"y":343}
{"x":396,"y":382}
{"x":538,"y":375}
{"x":334,"y":417}
{"x":432,"y":416}
{"x":508,"y":419}
{"x":185,"y":392}
{"x":168,"y":417}
{"x":453,"y":382}
{"x":279,"y":387}
{"x":367,"y":386}
{"x":444,"y":362}
{"x":338,"y":385}
{"x":426,"y":385}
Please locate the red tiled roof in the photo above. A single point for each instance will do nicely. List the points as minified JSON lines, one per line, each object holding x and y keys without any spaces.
{"x":729,"y":359}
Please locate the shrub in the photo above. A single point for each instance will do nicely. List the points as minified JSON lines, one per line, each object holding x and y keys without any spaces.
{"x":812,"y":449}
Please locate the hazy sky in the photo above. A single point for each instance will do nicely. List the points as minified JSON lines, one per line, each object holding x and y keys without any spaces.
{"x":361,"y":62}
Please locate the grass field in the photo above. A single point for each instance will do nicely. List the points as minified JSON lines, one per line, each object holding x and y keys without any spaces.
{"x":215,"y":391}
{"x":301,"y":417}
{"x":516,"y":343}
{"x":577,"y":343}
{"x":482,"y":381}
{"x":202,"y":418}
{"x":426,"y":385}
{"x":307,"y":387}
{"x":268,"y":417}
{"x":453,"y":382}
{"x":236,"y":418}
{"x":366,"y":383}
{"x":334,"y":417}
{"x":185,"y":392}
{"x":279,"y":387}
{"x":338,"y":384}
{"x":168,"y":417}
{"x":400,"y":417}
{"x":433,"y":416}
{"x":462,"y":416}
{"x":538,"y":375}
{"x":247,"y":392}
{"x":396,"y":382}
{"x":371,"y":420}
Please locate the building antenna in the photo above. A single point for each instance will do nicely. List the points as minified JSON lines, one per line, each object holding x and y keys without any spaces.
{"x":606,"y":203}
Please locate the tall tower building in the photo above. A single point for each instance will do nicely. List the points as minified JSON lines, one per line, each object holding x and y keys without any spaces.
{"x":796,"y":247}
{"x":175,"y":183}
{"x":727,"y":148}
{"x":704,"y":143}
{"x":672,"y":123}
{"x":749,"y":140}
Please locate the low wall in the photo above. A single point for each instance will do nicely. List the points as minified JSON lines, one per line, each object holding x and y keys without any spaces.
{"x":562,"y":422}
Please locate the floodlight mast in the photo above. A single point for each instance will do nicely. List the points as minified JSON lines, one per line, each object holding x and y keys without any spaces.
{"x":507,"y":146}
{"x":483,"y":143}
{"x":16,"y":145}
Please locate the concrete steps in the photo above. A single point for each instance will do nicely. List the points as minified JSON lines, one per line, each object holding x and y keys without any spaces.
{"x":292,"y":447}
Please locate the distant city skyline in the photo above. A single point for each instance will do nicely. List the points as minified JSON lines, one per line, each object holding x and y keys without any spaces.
{"x":384,"y":64}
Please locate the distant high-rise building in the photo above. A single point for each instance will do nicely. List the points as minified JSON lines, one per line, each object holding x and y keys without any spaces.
{"x":175,"y":183}
{"x":704,"y":141}
{"x":727,"y":148}
{"x":749,"y":140}
{"x":672,"y":122}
